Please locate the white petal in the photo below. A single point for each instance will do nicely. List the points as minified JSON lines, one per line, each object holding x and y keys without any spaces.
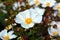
{"x":52,"y":3}
{"x":43,"y":5}
{"x":49,"y":31}
{"x":53,"y":23}
{"x":26,"y":26}
{"x":27,"y":13}
{"x":55,"y":13}
{"x":23,"y":4}
{"x":10,"y":32}
{"x":16,"y":5}
{"x":58,"y":32}
{"x":31,"y":2}
{"x":12,"y":36}
{"x":20,"y":17}
{"x":39,"y":10}
{"x":14,"y":8}
{"x":33,"y":13}
{"x":18,"y":20}
{"x":19,"y":4}
{"x":3,"y":32}
{"x":37,"y":19}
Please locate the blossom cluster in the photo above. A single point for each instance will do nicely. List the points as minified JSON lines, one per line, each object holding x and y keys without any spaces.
{"x":34,"y":15}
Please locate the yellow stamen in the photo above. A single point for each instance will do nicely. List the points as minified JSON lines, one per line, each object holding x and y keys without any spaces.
{"x":6,"y":37}
{"x":37,"y":2}
{"x":58,"y":7}
{"x":55,"y":33}
{"x":28,"y":20}
{"x":48,"y":4}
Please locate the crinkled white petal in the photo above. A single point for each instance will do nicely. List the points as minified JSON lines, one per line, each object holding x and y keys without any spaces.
{"x":3,"y":32}
{"x":16,"y":5}
{"x":31,"y":2}
{"x":53,"y":23}
{"x":27,"y":13}
{"x":37,"y":19}
{"x":33,"y":13}
{"x":26,"y":26}
{"x":10,"y":32}
{"x":58,"y":32}
{"x":55,"y":13}
{"x":51,"y":30}
{"x":43,"y":5}
{"x":12,"y":36}
{"x":18,"y":20}
{"x":52,"y":4}
{"x":39,"y":11}
{"x":20,"y":17}
{"x":22,"y":4}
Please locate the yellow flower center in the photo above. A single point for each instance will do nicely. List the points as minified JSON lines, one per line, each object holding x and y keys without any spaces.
{"x":37,"y":2}
{"x":48,"y":4}
{"x":28,"y":20}
{"x":59,"y":14}
{"x":6,"y":37}
{"x":55,"y":33}
{"x":58,"y":7}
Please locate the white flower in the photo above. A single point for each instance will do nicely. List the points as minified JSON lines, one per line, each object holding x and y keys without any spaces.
{"x":57,"y":7}
{"x":34,"y":2}
{"x":54,"y":31}
{"x":57,"y":13}
{"x":17,"y":4}
{"x":48,"y":3}
{"x":28,"y":18}
{"x":4,"y":35}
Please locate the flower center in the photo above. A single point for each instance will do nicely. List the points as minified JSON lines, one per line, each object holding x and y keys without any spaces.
{"x":55,"y":33}
{"x":6,"y":37}
{"x":28,"y":20}
{"x":37,"y":2}
{"x":48,"y":4}
{"x":58,"y":7}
